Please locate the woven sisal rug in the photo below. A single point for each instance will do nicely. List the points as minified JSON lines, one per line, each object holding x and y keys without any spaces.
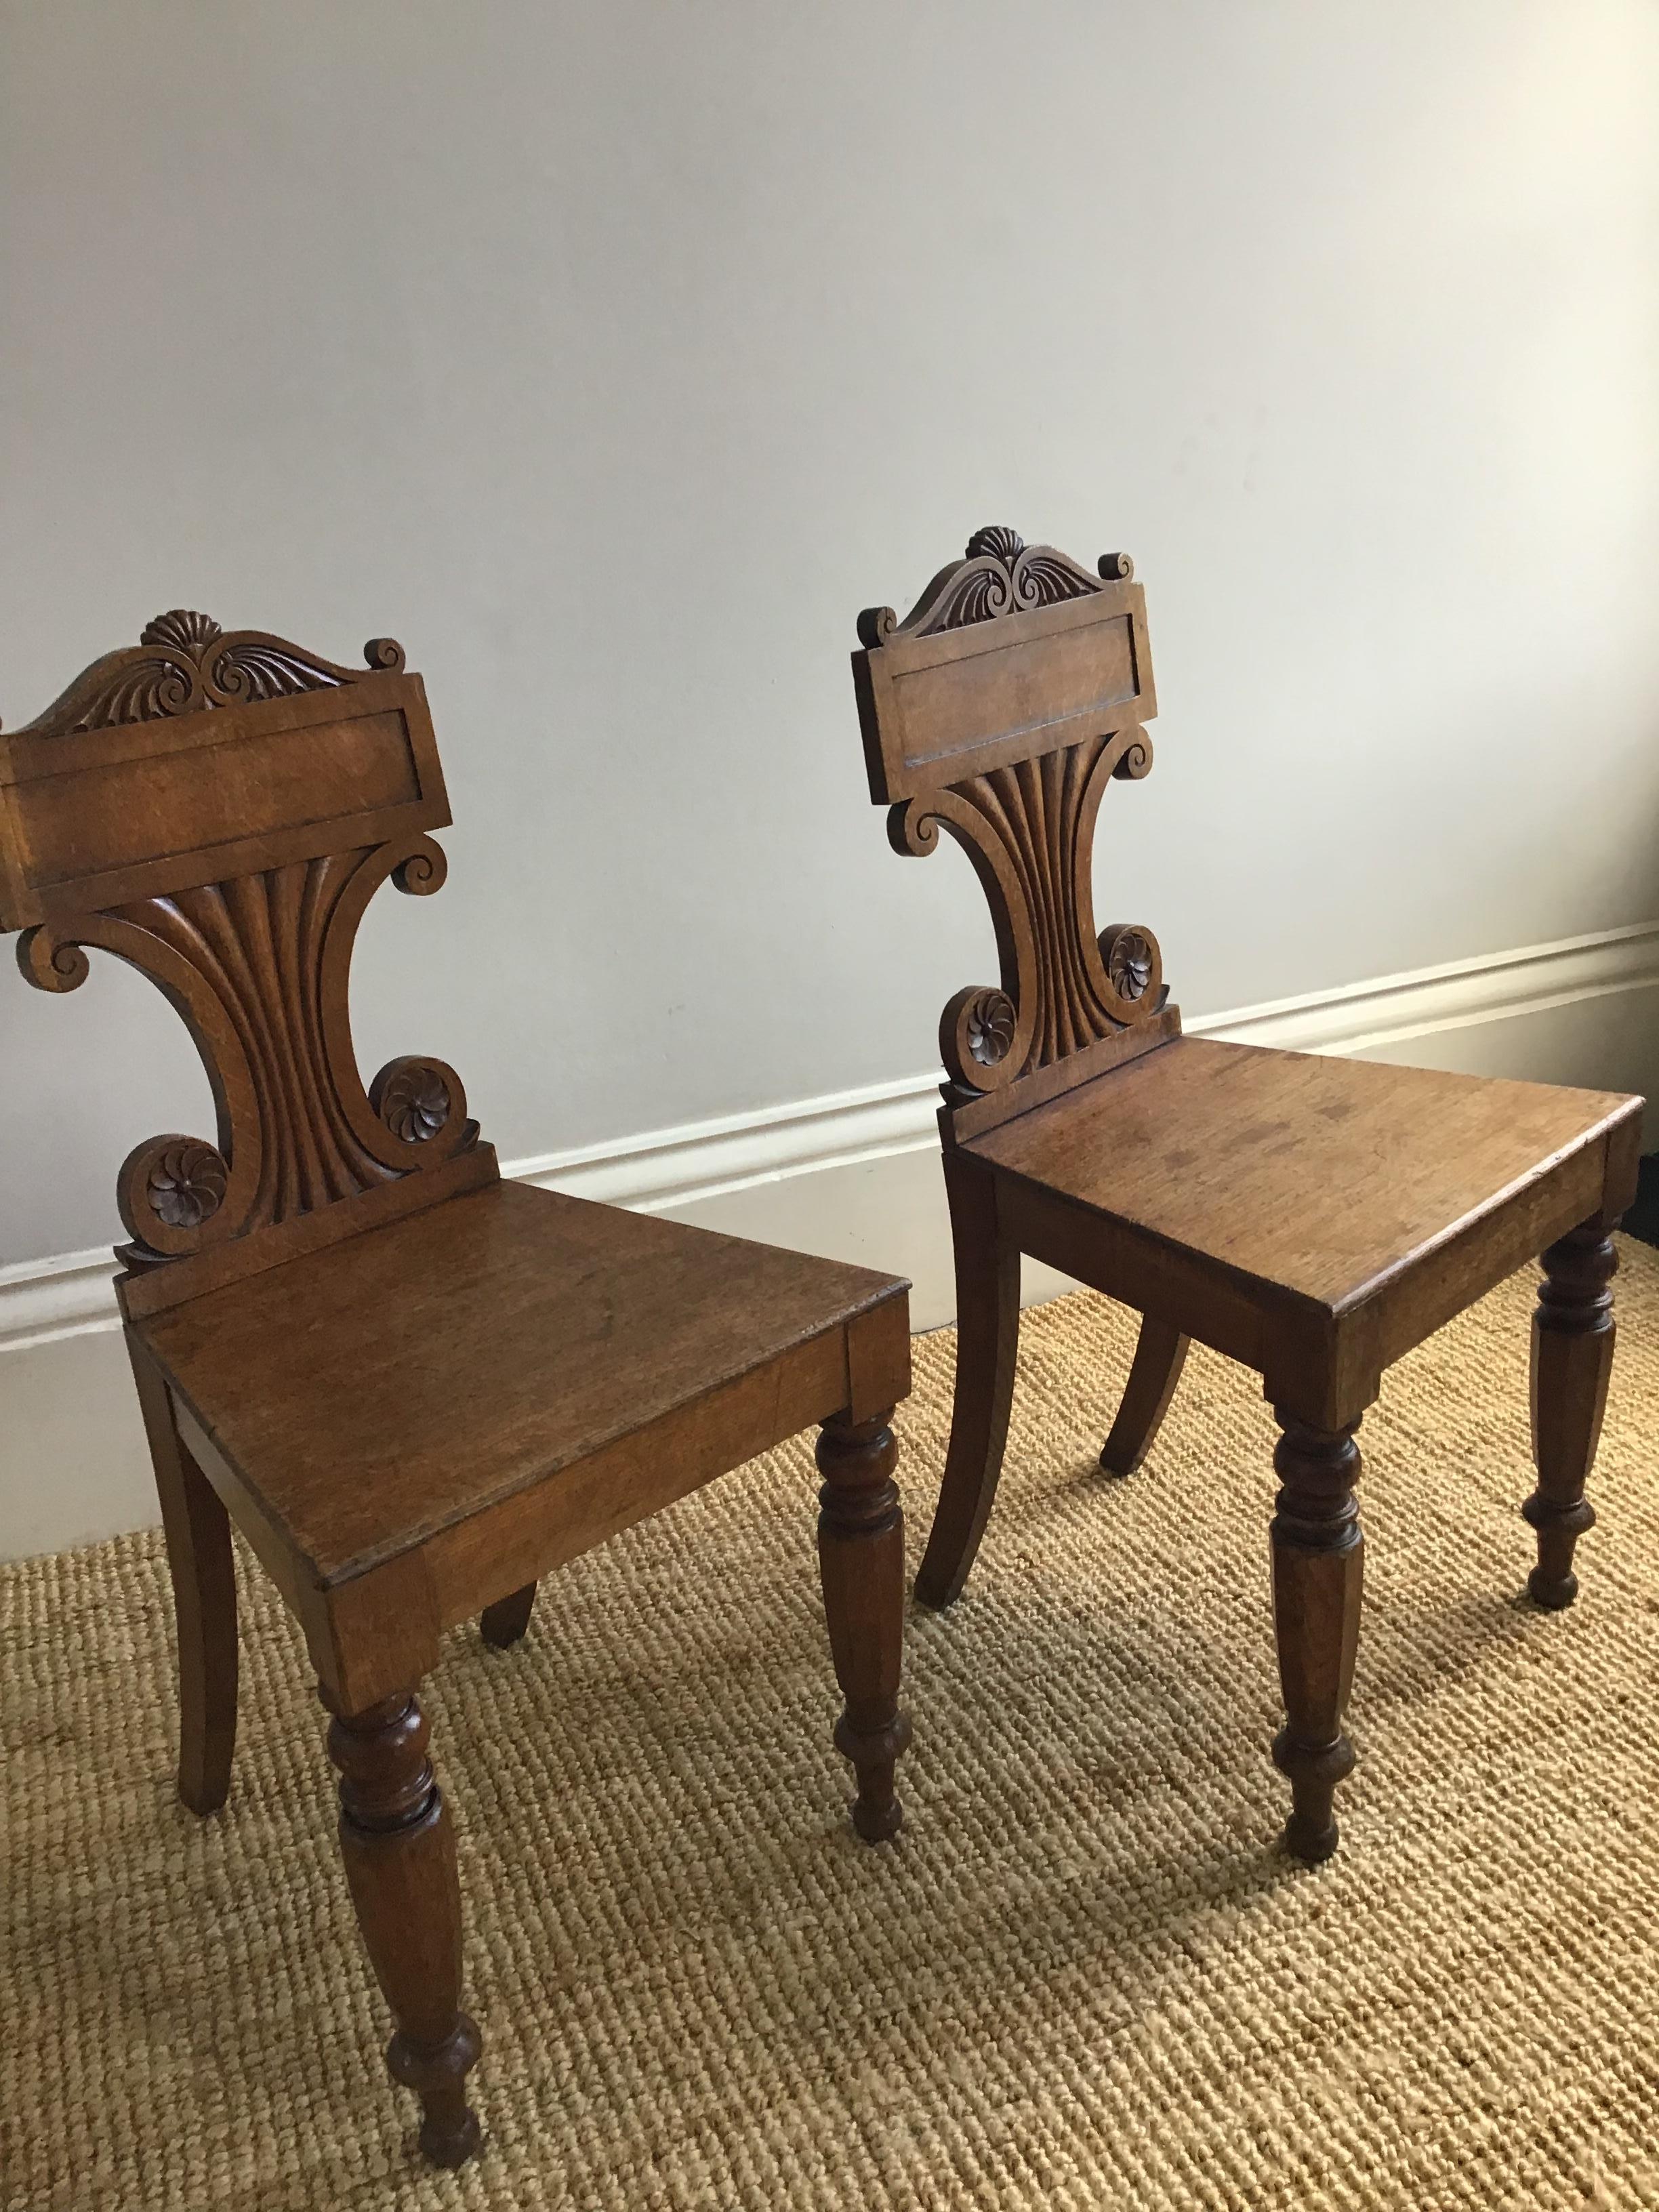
{"x":1080,"y":1978}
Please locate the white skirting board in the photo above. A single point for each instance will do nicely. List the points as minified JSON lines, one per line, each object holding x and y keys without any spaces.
{"x":854,"y":1176}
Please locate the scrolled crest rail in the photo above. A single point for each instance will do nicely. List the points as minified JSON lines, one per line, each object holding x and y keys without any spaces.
{"x":184,"y":662}
{"x":998,"y":574}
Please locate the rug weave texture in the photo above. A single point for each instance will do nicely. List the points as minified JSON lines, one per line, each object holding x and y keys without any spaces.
{"x":1082,"y":1978}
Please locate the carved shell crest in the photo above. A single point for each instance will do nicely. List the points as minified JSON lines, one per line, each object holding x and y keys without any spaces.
{"x":181,"y":631}
{"x":998,"y":574}
{"x":184,"y":662}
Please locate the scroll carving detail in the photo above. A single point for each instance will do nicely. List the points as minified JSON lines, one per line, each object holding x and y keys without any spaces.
{"x":991,"y":1022}
{"x":185,"y":1184}
{"x":1130,"y":956}
{"x":411,"y":1096}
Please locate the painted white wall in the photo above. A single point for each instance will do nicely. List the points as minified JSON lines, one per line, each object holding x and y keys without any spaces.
{"x":612,"y":355}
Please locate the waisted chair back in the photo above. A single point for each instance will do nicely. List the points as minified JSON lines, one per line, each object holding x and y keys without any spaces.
{"x":1192,"y":1183}
{"x":1015,"y":689}
{"x":216,"y":808}
{"x":409,"y":1428}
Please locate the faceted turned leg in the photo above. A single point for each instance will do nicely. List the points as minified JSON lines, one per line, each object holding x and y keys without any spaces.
{"x":400,"y":1867}
{"x":1572,"y":1336}
{"x":506,"y":1621}
{"x":1160,"y":1355}
{"x":1317,"y":1557}
{"x":987,"y":1343}
{"x":200,"y":1561}
{"x":861,"y":1561}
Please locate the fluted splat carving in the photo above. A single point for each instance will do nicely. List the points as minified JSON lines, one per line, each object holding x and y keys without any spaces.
{"x":257,"y":967}
{"x":1009,"y":748}
{"x":1029,"y":830}
{"x":257,"y":945}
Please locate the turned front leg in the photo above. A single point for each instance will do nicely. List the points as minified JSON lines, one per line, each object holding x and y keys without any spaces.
{"x":1317,"y":1556}
{"x":399,"y":1856}
{"x":1572,"y":1335}
{"x":862,"y":1560}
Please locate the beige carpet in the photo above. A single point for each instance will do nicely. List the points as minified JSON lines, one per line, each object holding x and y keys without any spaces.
{"x":1081,"y":1979}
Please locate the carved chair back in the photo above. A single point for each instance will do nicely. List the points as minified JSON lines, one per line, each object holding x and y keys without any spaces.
{"x":216,"y":808}
{"x":999,"y":709}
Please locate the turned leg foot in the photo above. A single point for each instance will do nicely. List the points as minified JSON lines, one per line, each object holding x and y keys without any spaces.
{"x":987,"y":1343}
{"x":399,"y":1855}
{"x":506,"y":1621}
{"x":201,"y":1564}
{"x":1317,"y":1557}
{"x":1160,"y":1355}
{"x":862,"y":1560}
{"x":1572,"y":1338}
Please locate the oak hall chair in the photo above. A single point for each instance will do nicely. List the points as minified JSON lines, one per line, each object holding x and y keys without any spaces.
{"x":1311,"y":1217}
{"x":414,"y":1387}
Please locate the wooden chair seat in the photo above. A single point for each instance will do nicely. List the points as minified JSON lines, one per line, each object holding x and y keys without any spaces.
{"x":1255,"y":1198}
{"x":1314,"y":1219}
{"x":579,"y":1367}
{"x":414,"y":1388}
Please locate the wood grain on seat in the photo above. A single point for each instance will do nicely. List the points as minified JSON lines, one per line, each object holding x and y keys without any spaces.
{"x":1322,"y":1178}
{"x":548,"y":1329}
